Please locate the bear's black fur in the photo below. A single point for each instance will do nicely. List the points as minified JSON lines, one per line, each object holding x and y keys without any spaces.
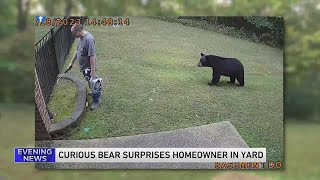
{"x":221,"y":66}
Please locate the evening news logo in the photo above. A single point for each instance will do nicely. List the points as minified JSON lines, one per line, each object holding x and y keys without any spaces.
{"x":40,"y":19}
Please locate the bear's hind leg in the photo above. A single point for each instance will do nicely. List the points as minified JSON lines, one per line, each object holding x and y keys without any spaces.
{"x":232,"y":80}
{"x":241,"y":80}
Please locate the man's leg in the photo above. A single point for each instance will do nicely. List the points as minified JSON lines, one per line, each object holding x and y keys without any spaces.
{"x":87,"y":76}
{"x":95,"y":91}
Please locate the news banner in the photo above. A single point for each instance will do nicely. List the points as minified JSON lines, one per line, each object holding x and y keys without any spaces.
{"x":221,"y":158}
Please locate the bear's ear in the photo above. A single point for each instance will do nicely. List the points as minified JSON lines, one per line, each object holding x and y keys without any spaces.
{"x":202,"y":54}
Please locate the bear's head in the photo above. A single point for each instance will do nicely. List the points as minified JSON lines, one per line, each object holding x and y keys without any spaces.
{"x":203,"y":61}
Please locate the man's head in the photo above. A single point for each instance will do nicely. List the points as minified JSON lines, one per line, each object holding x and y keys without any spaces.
{"x":77,"y":30}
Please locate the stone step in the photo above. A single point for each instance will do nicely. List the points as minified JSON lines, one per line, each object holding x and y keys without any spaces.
{"x":216,"y":135}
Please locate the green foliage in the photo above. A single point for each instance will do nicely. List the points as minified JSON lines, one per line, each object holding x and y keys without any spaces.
{"x":259,"y":21}
{"x":303,"y":95}
{"x":16,"y":83}
{"x":303,"y":66}
{"x":269,"y":31}
{"x":274,"y":24}
{"x":16,"y":68}
{"x":274,"y":27}
{"x":7,"y":18}
{"x":63,"y":100}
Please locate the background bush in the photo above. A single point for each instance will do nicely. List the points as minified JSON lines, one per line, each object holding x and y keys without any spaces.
{"x":267,"y":30}
{"x":16,"y":69}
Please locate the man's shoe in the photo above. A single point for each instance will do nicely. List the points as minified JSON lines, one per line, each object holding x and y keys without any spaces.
{"x":94,"y":106}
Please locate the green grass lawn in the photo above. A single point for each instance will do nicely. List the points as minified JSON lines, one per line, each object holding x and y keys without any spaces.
{"x":17,"y":130}
{"x":64,"y":99}
{"x":152,"y":84}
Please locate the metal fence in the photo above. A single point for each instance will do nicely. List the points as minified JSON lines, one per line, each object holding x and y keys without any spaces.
{"x":51,"y":52}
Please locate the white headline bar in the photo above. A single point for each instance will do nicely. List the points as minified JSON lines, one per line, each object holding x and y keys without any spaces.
{"x":165,"y":155}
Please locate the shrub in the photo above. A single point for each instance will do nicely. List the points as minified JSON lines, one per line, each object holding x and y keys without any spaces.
{"x":267,"y":30}
{"x":17,"y":68}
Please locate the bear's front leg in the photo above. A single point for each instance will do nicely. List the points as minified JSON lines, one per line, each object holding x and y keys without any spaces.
{"x":215,"y":79}
{"x":210,"y":83}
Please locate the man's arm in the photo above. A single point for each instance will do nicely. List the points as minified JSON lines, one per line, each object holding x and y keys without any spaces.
{"x":93,"y":58}
{"x":93,"y":67}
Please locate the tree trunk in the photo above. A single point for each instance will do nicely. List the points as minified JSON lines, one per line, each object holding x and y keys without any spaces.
{"x":20,"y":16}
{"x":23,"y":13}
{"x":49,"y":6}
{"x":68,"y":7}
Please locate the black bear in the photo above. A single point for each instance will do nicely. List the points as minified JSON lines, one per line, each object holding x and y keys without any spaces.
{"x":221,"y":66}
